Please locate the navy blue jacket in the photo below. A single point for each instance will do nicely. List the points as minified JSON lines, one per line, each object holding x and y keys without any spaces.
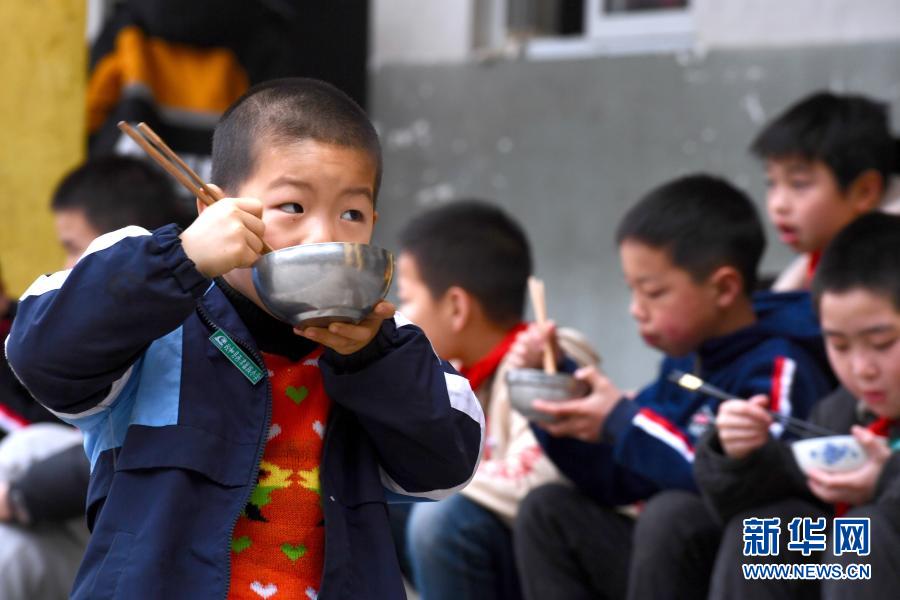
{"x":119,"y":346}
{"x":648,"y":443}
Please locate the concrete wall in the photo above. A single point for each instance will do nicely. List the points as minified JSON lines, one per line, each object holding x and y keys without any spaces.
{"x":567,"y":146}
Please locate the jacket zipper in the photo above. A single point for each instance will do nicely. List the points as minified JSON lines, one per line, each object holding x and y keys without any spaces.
{"x":332,"y":419}
{"x":262,"y":446}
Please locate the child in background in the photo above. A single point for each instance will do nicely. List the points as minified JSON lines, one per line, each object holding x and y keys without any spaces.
{"x":690,"y":251}
{"x":209,"y":480}
{"x":829,"y":159}
{"x":43,"y":470}
{"x":462,"y":275}
{"x":745,"y":473}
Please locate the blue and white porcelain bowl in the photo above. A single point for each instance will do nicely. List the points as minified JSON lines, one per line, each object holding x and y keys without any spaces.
{"x":833,"y":453}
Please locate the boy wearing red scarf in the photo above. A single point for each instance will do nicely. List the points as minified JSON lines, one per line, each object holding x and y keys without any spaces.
{"x":462,"y":274}
{"x":744,"y":473}
{"x":828,"y":158}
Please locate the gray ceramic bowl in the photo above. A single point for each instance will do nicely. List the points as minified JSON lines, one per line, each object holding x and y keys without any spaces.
{"x":316,"y":284}
{"x":528,"y":385}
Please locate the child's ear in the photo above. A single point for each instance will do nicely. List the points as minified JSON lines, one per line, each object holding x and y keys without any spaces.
{"x":460,"y":308}
{"x":866,"y":191}
{"x":728,"y":284}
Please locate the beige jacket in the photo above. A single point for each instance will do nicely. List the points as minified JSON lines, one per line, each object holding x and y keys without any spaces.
{"x":513,"y":463}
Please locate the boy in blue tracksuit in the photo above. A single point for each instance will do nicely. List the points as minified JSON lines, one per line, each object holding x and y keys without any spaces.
{"x":689,"y":251}
{"x":205,"y":477}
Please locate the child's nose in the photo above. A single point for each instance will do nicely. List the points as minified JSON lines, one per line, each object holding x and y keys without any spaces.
{"x":637,"y":311}
{"x":778,"y":200}
{"x":321,"y":233}
{"x":863,"y":366}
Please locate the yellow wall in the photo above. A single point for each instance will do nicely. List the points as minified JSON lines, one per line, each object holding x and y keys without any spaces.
{"x":43,"y":61}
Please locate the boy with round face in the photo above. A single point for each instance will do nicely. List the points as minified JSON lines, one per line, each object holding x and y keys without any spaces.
{"x":228,"y":445}
{"x":689,"y":251}
{"x":828,"y":160}
{"x":742,"y":469}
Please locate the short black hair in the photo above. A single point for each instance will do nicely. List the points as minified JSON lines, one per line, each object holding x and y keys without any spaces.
{"x":850,"y":134}
{"x":703,"y":223}
{"x":286,"y":111}
{"x":863,"y":255}
{"x":474,"y":245}
{"x":117,"y":191}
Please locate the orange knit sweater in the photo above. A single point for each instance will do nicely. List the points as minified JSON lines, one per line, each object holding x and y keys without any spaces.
{"x":277,"y":550}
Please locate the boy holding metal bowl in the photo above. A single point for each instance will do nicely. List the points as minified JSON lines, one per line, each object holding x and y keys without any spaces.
{"x":233,"y":455}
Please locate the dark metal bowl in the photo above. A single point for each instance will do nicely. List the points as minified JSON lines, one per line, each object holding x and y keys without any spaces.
{"x":527,"y":385}
{"x":313,"y":285}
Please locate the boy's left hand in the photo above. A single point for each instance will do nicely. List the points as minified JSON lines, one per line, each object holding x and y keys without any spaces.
{"x":347,"y":338}
{"x":582,"y":418}
{"x":857,"y":486}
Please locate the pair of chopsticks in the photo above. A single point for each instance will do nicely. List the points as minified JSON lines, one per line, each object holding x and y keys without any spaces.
{"x":539,"y":302}
{"x":159,"y":151}
{"x":797,"y":426}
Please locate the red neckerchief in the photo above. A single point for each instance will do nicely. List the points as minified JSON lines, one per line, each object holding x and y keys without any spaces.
{"x":880,"y":426}
{"x":479,"y":372}
{"x":5,"y":326}
{"x":814,"y":258}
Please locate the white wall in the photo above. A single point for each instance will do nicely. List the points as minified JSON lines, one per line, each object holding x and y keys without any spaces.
{"x":420,"y":31}
{"x":765,"y":23}
{"x":440,"y":31}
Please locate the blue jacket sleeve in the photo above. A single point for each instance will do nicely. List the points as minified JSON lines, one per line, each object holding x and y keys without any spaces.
{"x":656,"y":446}
{"x":78,"y":331}
{"x":422,"y":416}
{"x":593,"y":469}
{"x":649,"y":444}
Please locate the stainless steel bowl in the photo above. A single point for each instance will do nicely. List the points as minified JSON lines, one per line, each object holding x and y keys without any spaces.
{"x":527,"y":385}
{"x":316,"y":284}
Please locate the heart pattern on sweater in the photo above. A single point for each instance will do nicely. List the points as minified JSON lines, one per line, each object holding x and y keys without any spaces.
{"x":297,"y":394}
{"x":293,"y":552}
{"x":264,"y":591}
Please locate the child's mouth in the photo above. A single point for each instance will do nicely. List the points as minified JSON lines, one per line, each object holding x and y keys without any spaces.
{"x":650,"y":339}
{"x":874,"y":398}
{"x":788,"y":235}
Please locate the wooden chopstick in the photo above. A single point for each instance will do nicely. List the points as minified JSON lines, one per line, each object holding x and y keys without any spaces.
{"x":170,"y":154}
{"x":159,"y":151}
{"x":539,"y":302}
{"x":165,"y":163}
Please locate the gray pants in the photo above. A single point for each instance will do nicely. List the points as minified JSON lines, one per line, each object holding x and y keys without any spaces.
{"x":38,"y":562}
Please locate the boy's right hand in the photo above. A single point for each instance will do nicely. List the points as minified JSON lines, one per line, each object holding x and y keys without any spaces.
{"x":527,"y":352}
{"x":226,"y":236}
{"x":743,"y":425}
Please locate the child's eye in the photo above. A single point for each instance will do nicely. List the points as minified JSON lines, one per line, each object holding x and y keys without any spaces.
{"x":352,"y":215}
{"x":291,"y":207}
{"x":800,"y":184}
{"x":840,"y":348}
{"x":654,"y":293}
{"x":883,"y":345}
